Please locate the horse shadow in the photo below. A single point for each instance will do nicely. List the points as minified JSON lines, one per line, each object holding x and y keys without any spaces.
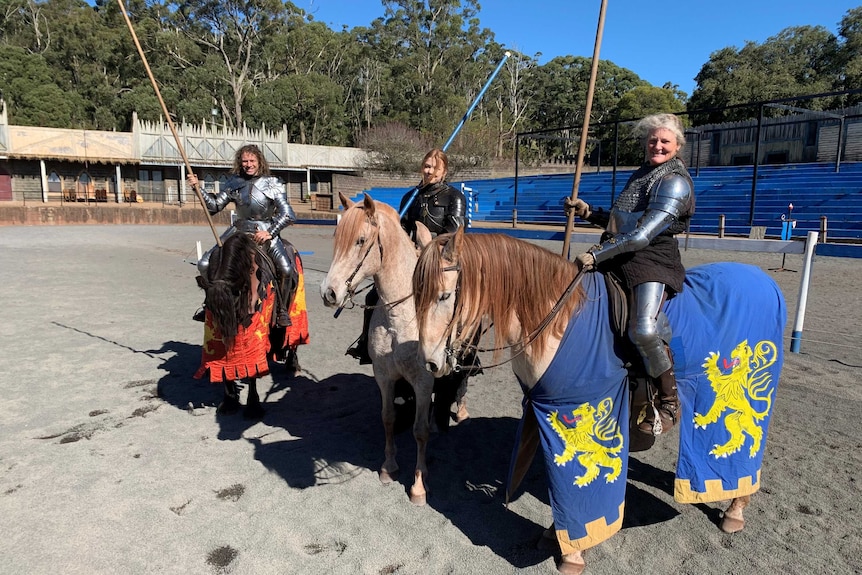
{"x":178,"y":387}
{"x":336,"y":436}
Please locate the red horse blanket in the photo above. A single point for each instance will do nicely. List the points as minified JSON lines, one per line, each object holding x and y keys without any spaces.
{"x":248,"y":357}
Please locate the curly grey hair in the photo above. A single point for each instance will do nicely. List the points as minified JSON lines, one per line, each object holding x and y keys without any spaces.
{"x":657,"y":121}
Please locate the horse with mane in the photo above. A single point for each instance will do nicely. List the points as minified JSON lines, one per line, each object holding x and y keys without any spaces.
{"x":239,"y":334}
{"x":572,"y":365}
{"x":370,"y":243}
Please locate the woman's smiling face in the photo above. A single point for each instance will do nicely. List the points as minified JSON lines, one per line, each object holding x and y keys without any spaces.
{"x":661,"y":146}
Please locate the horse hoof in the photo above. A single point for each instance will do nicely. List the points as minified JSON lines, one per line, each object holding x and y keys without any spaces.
{"x":731,"y":524}
{"x":574,"y":566}
{"x":640,"y":441}
{"x":386,"y":477}
{"x":419,"y":499}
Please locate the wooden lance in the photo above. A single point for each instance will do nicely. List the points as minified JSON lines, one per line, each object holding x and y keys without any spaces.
{"x":168,"y":117}
{"x":582,"y":145}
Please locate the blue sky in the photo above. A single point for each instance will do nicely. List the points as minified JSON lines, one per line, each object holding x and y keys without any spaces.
{"x":660,"y":42}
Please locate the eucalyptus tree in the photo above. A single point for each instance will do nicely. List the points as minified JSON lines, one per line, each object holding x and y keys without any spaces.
{"x":239,"y":33}
{"x":849,"y":63}
{"x":437,"y":61}
{"x":798,"y":60}
{"x":559,"y":90}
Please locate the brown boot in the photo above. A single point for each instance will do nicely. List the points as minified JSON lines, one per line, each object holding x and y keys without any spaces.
{"x":661,"y":414}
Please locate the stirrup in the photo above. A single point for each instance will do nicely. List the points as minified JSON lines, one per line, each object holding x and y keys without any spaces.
{"x":359,"y":350}
{"x":661,"y":420}
{"x":283,"y":319}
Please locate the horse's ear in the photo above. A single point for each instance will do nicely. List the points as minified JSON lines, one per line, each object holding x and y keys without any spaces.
{"x":423,"y":235}
{"x":452,"y":248}
{"x":368,"y":204}
{"x":345,"y":201}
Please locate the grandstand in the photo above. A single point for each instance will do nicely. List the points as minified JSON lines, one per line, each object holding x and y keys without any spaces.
{"x":816,"y":191}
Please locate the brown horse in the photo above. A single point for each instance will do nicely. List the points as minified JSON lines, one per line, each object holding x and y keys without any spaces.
{"x":239,"y":336}
{"x":369,"y":243}
{"x":727,"y":331}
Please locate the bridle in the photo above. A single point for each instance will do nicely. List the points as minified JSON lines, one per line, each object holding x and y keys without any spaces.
{"x":348,"y":301}
{"x":454,"y":357}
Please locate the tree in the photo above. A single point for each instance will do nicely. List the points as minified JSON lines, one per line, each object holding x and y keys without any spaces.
{"x":849,"y":61}
{"x":238,"y":32}
{"x":32,"y":97}
{"x":796,"y":61}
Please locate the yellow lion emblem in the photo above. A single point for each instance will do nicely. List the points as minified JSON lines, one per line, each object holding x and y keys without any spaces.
{"x":734,"y":391}
{"x":591,"y":425}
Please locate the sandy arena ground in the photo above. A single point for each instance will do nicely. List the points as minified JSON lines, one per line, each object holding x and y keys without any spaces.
{"x":112,"y":459}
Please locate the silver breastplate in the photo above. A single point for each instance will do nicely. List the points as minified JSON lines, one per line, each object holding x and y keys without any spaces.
{"x":253,"y":199}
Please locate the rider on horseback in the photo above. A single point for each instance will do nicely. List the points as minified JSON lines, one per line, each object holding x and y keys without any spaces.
{"x":437,"y":205}
{"x":262,"y":211}
{"x":639,"y":249}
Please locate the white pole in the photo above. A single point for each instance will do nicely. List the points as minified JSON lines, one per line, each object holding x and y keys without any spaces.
{"x":200,"y":252}
{"x":796,"y":337}
{"x":119,"y":187}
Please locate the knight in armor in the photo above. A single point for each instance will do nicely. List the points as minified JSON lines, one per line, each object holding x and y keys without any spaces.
{"x":262,"y":211}
{"x":439,"y":206}
{"x":640,"y":250}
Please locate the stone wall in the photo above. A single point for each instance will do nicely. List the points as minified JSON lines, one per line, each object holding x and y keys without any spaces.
{"x":100,"y":214}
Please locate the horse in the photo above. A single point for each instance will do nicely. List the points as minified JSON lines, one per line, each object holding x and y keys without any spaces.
{"x":369,"y":242}
{"x":727,"y":326}
{"x":239,"y":333}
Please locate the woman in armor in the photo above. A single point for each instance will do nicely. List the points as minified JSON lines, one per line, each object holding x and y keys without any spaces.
{"x":640,"y":250}
{"x":437,"y":205}
{"x":262,"y":211}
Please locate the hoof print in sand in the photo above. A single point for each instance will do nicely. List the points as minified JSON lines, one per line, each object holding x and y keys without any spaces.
{"x":222,"y":557}
{"x":232,"y":493}
{"x":316,"y":548}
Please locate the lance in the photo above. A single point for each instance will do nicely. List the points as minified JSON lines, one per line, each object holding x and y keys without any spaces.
{"x":168,"y":117}
{"x":586,"y":127}
{"x":460,"y":124}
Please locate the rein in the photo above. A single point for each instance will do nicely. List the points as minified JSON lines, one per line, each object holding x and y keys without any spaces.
{"x":453,"y":356}
{"x":351,"y":291}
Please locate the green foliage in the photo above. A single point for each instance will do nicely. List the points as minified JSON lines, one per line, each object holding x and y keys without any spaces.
{"x":408,"y":75}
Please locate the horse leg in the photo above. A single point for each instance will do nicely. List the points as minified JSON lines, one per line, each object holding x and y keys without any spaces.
{"x":421,"y":431}
{"x":387,"y":413}
{"x":572,"y":564}
{"x":230,"y":403}
{"x":253,"y":407}
{"x":291,"y":362}
{"x":733,"y":521}
{"x":461,"y":413}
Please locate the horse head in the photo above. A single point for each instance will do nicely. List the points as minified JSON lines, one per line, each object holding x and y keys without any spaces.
{"x":436,"y":283}
{"x":355,"y":257}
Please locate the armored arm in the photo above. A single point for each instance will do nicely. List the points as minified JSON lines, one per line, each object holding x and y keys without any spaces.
{"x":216,"y":202}
{"x":599,"y":217}
{"x":671,"y":199}
{"x":283,"y":215}
{"x":455,"y":211}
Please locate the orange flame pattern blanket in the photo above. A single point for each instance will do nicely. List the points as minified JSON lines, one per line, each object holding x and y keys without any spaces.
{"x":248,"y":357}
